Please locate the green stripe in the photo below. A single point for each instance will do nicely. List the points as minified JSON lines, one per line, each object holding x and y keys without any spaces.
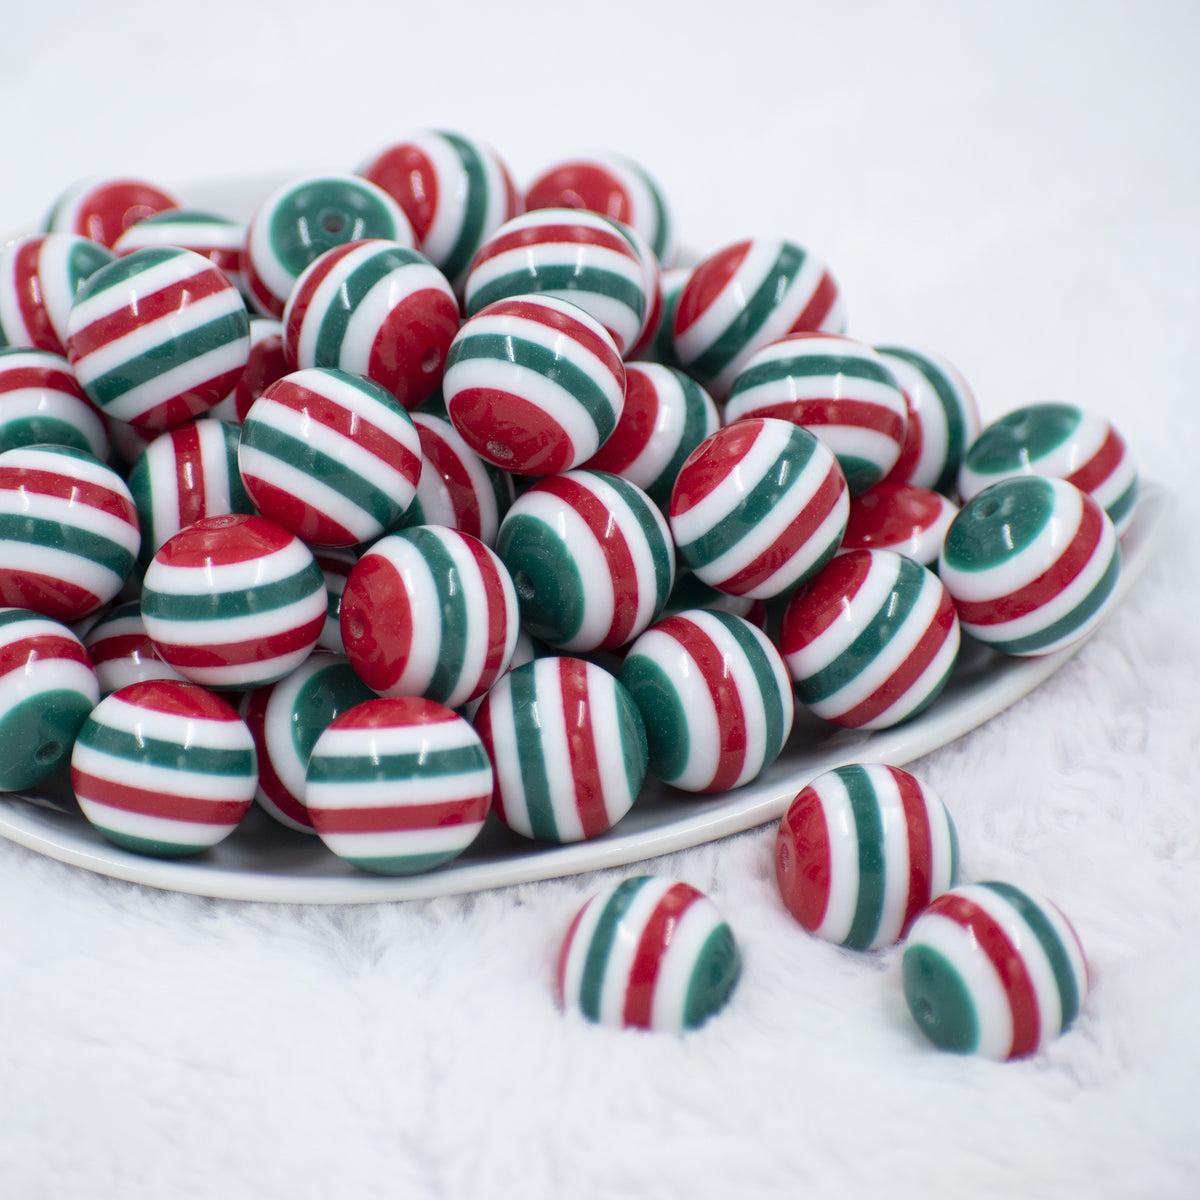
{"x":939,"y":999}
{"x":997,"y":524}
{"x":11,"y":616}
{"x":760,"y":664}
{"x":550,"y":591}
{"x":631,"y":731}
{"x":954,"y":851}
{"x":717,"y":968}
{"x":74,"y":540}
{"x":810,"y":366}
{"x":239,"y":498}
{"x":866,"y":648}
{"x":49,"y":431}
{"x":119,"y":271}
{"x":155,"y":847}
{"x":38,"y":732}
{"x":539,"y":800}
{"x":872,"y":868}
{"x":322,"y":697}
{"x":695,"y":429}
{"x":85,"y":259}
{"x":664,"y":718}
{"x":861,"y":473}
{"x":1048,"y":939}
{"x":176,"y":756}
{"x":471,"y":227}
{"x":400,"y":864}
{"x":454,"y":615}
{"x":644,"y":514}
{"x":741,"y":330}
{"x":591,"y":987}
{"x":1118,"y":510}
{"x":222,"y":606}
{"x":1023,"y":436}
{"x":318,"y":214}
{"x":188,"y":216}
{"x":566,"y":281}
{"x":399,"y":769}
{"x":662,"y":219}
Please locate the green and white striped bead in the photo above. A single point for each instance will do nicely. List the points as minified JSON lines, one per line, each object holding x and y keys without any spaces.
{"x":648,"y":953}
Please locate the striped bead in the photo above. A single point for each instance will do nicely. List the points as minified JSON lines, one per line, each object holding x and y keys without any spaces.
{"x":666,"y":415}
{"x":1059,"y":441}
{"x":690,"y":592}
{"x":835,"y":387}
{"x":534,"y":385}
{"x":648,"y":953}
{"x":871,"y":641}
{"x":758,"y":507}
{"x":614,"y":186}
{"x":652,"y":293}
{"x":568,"y":747}
{"x":265,"y":365}
{"x":1031,"y":564}
{"x":943,"y":419}
{"x":456,"y":487}
{"x":455,"y":191}
{"x":333,"y":457}
{"x":661,"y":347}
{"x":373,"y":308}
{"x":993,"y":970}
{"x":219,"y":239}
{"x":715,"y":698}
{"x":158,"y":337}
{"x":68,"y":531}
{"x":121,"y":649}
{"x":398,"y":786}
{"x":903,"y":517}
{"x":336,"y":565}
{"x":233,"y":602}
{"x":47,"y":689}
{"x":186,"y":473}
{"x":432,"y":612}
{"x":103,"y":209}
{"x":286,"y":718}
{"x":164,"y":767}
{"x":745,"y":297}
{"x":39,"y":276}
{"x":568,"y":253}
{"x":299,"y":221}
{"x":41,"y":403}
{"x":860,"y":853}
{"x":592,"y":559}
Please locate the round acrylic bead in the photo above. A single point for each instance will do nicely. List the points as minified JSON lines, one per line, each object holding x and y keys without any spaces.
{"x":648,"y":953}
{"x":265,"y":365}
{"x":943,"y":419}
{"x":40,"y":402}
{"x":429,"y":611}
{"x":661,"y":347}
{"x":299,"y":221}
{"x":1059,"y":441}
{"x":871,"y":641}
{"x":758,"y":507}
{"x":219,"y":239}
{"x":835,"y":387}
{"x":286,"y":718}
{"x":158,"y":337}
{"x":186,"y":473}
{"x":534,"y":385}
{"x":47,"y":689}
{"x":592,"y":559}
{"x":568,"y":747}
{"x":690,"y":592}
{"x":1031,"y":564}
{"x":614,"y":186}
{"x":745,"y":297}
{"x":398,"y":785}
{"x":333,"y":457}
{"x":715,"y":698}
{"x":455,"y":191}
{"x":861,"y":851}
{"x":666,"y":415}
{"x":993,"y":970}
{"x":373,"y":308}
{"x":39,"y":276}
{"x":68,"y":531}
{"x":164,"y":767}
{"x":575,"y":255}
{"x":652,"y":293}
{"x":233,"y":602}
{"x":900,"y":516}
{"x":103,"y":209}
{"x":335,"y":565}
{"x":121,"y":650}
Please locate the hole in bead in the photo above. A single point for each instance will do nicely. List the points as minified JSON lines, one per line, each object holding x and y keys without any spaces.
{"x":923,"y":1011}
{"x":356,"y":627}
{"x":524,"y":585}
{"x":988,"y":508}
{"x":499,"y":450}
{"x":333,"y":222}
{"x":431,"y":361}
{"x":48,"y":752}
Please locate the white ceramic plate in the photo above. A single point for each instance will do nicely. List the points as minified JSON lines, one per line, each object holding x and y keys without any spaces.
{"x":264,"y":861}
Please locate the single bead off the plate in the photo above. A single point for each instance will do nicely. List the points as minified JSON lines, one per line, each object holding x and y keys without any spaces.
{"x":1031,"y":563}
{"x":41,"y":402}
{"x":900,"y":516}
{"x":861,"y":851}
{"x":994,"y":970}
{"x":871,"y":641}
{"x":715,"y":698}
{"x":164,"y":767}
{"x":47,"y":689}
{"x":648,"y":953}
{"x":398,"y":785}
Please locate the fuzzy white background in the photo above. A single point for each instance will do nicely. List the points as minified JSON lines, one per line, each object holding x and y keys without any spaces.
{"x":1016,"y":186}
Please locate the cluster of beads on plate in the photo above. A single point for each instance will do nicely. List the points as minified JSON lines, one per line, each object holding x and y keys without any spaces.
{"x":416,"y":440}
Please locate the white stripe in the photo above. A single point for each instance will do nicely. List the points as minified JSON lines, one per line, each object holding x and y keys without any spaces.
{"x":679,"y":961}
{"x":938,"y":666}
{"x":41,"y":677}
{"x":604,"y":713}
{"x":842,"y":838}
{"x":897,"y":855}
{"x":204,"y":733}
{"x":250,"y":627}
{"x":623,"y":949}
{"x":290,"y":559}
{"x":448,"y":840}
{"x":552,"y":729}
{"x":170,"y":272}
{"x":577,"y":952}
{"x":164,"y":781}
{"x":510,"y":780}
{"x":353,"y":741}
{"x":418,"y":788}
{"x":750,"y":694}
{"x":25,"y":558}
{"x":201,"y":835}
{"x":425,"y":612}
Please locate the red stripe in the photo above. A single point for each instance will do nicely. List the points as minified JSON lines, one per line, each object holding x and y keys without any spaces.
{"x":651,"y":950}
{"x":176,"y":697}
{"x":811,"y":612}
{"x":920,"y":845}
{"x":581,"y":185}
{"x":14,"y":378}
{"x":224,"y":539}
{"x":726,"y":699}
{"x":389,"y":818}
{"x":819,"y":305}
{"x":111,"y":647}
{"x":396,"y":710}
{"x":267,"y":301}
{"x":1101,"y":465}
{"x":27,"y":283}
{"x":907,"y":674}
{"x":564,"y":954}
{"x":511,"y":432}
{"x":302,"y":296}
{"x":110,"y":208}
{"x":712,"y":463}
{"x":636,"y":426}
{"x":802,"y":861}
{"x":127,"y":798}
{"x":532,"y":309}
{"x":20,"y":654}
{"x":63,"y":485}
{"x":610,"y":537}
{"x":409,"y":351}
{"x":289,"y":510}
{"x":706,"y":283}
{"x":269,"y":783}
{"x":223,"y":654}
{"x":551,"y":233}
{"x":1050,"y":583}
{"x":483,"y":727}
{"x":377,"y":621}
{"x":265,"y":365}
{"x":497,"y":613}
{"x":189,"y":473}
{"x":581,"y":747}
{"x":854,"y":414}
{"x":45,"y":594}
{"x":186,"y":405}
{"x":910,"y":449}
{"x":1007,"y":960}
{"x":442,"y":458}
{"x":890,"y":514}
{"x":407,"y":174}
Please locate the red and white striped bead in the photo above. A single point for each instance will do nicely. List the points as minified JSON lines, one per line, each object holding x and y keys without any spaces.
{"x":41,"y":402}
{"x":219,"y":239}
{"x":336,"y":565}
{"x":104,"y":208}
{"x":900,"y":516}
{"x":265,"y":365}
{"x":121,"y":649}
